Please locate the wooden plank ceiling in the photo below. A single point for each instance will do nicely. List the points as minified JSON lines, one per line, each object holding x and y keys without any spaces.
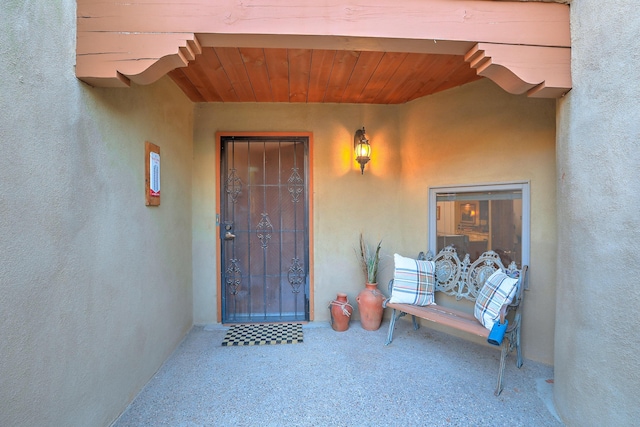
{"x":230,"y":74}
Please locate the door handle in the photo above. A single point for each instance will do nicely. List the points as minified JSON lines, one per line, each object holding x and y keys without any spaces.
{"x":229,"y":236}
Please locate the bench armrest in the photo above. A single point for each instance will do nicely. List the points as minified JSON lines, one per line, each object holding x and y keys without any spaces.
{"x":503,"y":312}
{"x":517,"y":299}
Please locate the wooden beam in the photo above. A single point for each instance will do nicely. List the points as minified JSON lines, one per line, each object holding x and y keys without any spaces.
{"x":142,"y":40}
{"x":542,"y":72}
{"x":484,"y":21}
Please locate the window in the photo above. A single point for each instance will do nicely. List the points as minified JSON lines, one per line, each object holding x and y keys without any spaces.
{"x":478,"y":218}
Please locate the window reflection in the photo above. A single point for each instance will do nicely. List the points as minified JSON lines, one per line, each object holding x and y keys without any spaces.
{"x":475,"y":222}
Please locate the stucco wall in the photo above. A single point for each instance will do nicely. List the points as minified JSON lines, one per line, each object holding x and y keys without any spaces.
{"x":474,"y":134}
{"x":597,"y":340}
{"x":480,"y":134}
{"x":341,"y":196}
{"x":95,"y":288}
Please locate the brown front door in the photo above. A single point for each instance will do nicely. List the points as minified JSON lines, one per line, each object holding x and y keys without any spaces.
{"x":264,"y":229}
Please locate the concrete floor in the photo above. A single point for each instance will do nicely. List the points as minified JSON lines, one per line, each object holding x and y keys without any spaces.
{"x":424,"y":378}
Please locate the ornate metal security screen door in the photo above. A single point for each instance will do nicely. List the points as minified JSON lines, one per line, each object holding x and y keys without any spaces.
{"x":264,"y":229}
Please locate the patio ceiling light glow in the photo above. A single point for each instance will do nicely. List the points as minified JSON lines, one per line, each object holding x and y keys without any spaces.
{"x":362,"y":148}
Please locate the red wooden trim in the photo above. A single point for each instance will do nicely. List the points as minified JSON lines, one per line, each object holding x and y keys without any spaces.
{"x":311,"y":228}
{"x":218,"y":240}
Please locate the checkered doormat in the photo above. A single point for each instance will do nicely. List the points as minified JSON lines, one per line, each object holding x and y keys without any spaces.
{"x":263,"y":334}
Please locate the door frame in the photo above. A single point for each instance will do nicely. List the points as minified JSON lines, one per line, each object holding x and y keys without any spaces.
{"x":219,"y":136}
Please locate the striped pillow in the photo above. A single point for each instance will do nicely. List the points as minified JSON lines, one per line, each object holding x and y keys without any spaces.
{"x":413,"y":281}
{"x":498,"y":290}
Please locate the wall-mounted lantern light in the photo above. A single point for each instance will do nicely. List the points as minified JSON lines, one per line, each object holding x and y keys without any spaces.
{"x":362,"y":148}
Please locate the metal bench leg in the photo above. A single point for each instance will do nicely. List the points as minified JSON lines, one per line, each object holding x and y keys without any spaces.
{"x":518,"y":348}
{"x":392,"y":325}
{"x":503,"y":359}
{"x":416,"y":323}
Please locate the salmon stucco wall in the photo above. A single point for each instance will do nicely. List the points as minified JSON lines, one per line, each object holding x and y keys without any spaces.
{"x":473,"y":134}
{"x":95,"y":287}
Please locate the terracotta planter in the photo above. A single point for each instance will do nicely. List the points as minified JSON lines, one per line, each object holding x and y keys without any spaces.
{"x":370,"y":306}
{"x":340,"y":313}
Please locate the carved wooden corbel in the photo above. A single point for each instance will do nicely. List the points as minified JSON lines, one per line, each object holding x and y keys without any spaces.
{"x":539,"y":71}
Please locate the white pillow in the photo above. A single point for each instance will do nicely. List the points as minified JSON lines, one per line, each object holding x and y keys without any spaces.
{"x":413,"y":281}
{"x":498,"y":290}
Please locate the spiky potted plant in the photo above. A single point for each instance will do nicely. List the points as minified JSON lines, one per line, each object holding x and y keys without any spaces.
{"x":370,"y":298}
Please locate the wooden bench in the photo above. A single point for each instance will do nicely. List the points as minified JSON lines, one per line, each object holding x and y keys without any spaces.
{"x":464,"y":280}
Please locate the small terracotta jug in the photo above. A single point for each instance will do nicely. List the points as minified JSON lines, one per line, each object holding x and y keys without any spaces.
{"x":370,"y":301}
{"x":340,"y":313}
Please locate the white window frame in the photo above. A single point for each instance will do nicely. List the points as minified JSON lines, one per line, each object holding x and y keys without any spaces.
{"x":524,"y":187}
